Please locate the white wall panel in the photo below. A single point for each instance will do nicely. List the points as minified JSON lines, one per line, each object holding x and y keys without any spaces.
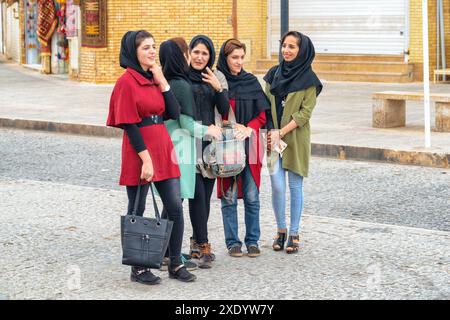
{"x":2,"y":28}
{"x":13,"y":33}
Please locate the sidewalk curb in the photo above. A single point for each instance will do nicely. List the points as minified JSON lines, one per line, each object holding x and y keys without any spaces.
{"x":61,"y":127}
{"x":340,"y":152}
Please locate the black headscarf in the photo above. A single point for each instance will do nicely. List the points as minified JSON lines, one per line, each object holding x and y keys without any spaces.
{"x":173,"y":61}
{"x":196,"y":75}
{"x":245,"y":89}
{"x":244,"y":85}
{"x":175,"y":67}
{"x":128,"y":54}
{"x":295,"y":75}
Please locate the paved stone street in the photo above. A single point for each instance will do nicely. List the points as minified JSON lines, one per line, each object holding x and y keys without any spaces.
{"x":373,"y":192}
{"x":369,"y":231}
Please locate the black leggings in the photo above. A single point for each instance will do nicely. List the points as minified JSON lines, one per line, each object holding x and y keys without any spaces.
{"x":199,"y":208}
{"x":170,"y":193}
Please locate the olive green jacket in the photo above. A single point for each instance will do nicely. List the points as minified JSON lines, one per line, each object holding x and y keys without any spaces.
{"x":298,"y":107}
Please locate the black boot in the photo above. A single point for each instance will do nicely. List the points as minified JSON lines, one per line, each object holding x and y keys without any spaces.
{"x":144,"y":276}
{"x":180,"y":273}
{"x":280,"y":239}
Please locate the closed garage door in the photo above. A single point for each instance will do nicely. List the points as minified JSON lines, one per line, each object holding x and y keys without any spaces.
{"x":345,"y":26}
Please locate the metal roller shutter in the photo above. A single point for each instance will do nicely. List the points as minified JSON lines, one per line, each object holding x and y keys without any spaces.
{"x":345,"y":26}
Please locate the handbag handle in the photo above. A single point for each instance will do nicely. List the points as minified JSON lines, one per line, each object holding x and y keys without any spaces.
{"x":136,"y":202}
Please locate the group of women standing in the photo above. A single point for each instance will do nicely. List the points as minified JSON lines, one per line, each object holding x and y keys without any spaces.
{"x":169,"y":116}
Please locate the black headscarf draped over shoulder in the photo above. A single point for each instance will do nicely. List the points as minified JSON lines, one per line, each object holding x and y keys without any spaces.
{"x":245,"y":89}
{"x":173,"y":61}
{"x":128,"y":54}
{"x":196,"y":75}
{"x":295,"y":75}
{"x":175,"y":67}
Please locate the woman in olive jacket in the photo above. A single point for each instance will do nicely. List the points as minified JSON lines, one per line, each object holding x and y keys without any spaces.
{"x":292,"y":88}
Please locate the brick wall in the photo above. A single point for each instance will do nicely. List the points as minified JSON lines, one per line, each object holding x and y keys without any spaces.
{"x":164,"y":19}
{"x":416,"y":48}
{"x":252,"y":30}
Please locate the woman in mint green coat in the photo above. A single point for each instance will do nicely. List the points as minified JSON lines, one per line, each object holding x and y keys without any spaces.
{"x":292,"y":88}
{"x":174,"y":58}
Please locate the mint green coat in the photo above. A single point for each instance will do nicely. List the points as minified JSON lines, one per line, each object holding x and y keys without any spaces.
{"x":184,"y":132}
{"x":299,"y":106}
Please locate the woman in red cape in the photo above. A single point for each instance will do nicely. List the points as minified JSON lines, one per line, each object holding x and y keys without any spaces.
{"x":140,"y":101}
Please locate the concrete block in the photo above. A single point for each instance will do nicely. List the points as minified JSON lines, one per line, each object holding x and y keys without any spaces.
{"x":388,"y":113}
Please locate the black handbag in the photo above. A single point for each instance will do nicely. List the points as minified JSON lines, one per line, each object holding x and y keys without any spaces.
{"x":144,"y":240}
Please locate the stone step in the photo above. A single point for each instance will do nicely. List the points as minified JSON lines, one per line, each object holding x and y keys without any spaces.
{"x":354,"y":67}
{"x":360,"y":57}
{"x":390,"y":77}
{"x":353,"y":57}
{"x":363,"y":66}
{"x":347,"y":66}
{"x":266,"y":63}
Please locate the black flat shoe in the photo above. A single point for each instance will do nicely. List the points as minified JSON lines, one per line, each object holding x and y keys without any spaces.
{"x":181,"y":274}
{"x":144,"y":276}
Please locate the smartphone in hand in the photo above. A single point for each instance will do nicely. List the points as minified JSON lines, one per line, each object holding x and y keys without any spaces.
{"x":280,"y":147}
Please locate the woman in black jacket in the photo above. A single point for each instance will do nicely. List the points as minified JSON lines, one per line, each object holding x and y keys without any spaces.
{"x":210,"y":93}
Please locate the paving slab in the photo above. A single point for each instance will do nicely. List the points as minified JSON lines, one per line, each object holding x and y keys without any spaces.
{"x":62,"y":241}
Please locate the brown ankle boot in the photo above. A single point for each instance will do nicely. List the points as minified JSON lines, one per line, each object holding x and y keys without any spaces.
{"x":205,"y":261}
{"x":194,"y":251}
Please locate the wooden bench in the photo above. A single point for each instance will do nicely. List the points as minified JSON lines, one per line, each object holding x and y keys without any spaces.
{"x":388,"y":109}
{"x":440,"y":72}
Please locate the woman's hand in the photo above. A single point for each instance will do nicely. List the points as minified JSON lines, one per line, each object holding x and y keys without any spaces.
{"x":215,"y":132}
{"x":159,"y":76}
{"x":273,"y":139}
{"x":147,"y":170}
{"x":242,"y":132}
{"x":210,"y":77}
{"x":269,"y":141}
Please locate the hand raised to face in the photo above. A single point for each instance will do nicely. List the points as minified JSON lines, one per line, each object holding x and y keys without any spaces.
{"x":210,"y":77}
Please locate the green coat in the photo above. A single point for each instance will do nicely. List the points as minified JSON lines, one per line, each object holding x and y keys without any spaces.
{"x":298,"y":107}
{"x":184,"y":132}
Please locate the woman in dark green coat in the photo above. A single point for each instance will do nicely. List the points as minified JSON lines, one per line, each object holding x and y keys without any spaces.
{"x":292,"y":88}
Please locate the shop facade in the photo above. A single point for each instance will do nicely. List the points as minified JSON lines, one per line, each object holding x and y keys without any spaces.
{"x":371,"y":40}
{"x":346,"y":26}
{"x":41,"y":34}
{"x":50,"y":29}
{"x":381,"y":39}
{"x":32,"y":45}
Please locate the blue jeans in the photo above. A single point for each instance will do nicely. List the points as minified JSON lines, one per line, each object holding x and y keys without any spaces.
{"x":251,"y":205}
{"x":278,"y":180}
